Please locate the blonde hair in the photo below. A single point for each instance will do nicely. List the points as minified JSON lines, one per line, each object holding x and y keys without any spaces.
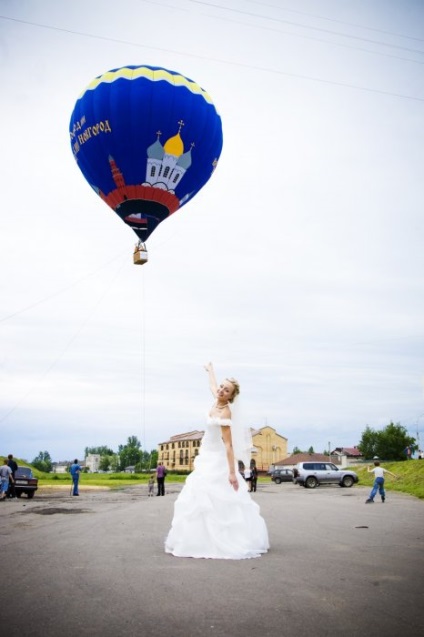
{"x":236,"y":386}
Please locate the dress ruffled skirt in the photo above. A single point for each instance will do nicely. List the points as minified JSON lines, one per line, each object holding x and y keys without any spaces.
{"x":211,"y":519}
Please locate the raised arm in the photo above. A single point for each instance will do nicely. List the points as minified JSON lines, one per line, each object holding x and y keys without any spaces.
{"x":212,"y":380}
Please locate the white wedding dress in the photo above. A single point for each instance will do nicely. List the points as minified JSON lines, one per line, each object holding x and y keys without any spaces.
{"x":211,"y":519}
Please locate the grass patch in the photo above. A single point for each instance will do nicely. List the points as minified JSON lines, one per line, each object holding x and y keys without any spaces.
{"x":107,"y":480}
{"x":410,"y":477}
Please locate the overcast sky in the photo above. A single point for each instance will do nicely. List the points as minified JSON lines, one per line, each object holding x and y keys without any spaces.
{"x":298,"y":268}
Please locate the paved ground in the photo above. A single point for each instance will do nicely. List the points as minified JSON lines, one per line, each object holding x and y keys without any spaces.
{"x":95,"y":566}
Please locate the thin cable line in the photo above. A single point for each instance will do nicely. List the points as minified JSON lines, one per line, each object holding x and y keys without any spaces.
{"x":143,"y":359}
{"x":323,"y":41}
{"x":226,"y":62}
{"x":298,"y":24}
{"x":58,"y":292}
{"x":71,"y":340}
{"x":350,"y":24}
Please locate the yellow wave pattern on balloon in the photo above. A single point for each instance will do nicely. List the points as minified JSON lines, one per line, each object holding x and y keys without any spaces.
{"x":155,"y":75}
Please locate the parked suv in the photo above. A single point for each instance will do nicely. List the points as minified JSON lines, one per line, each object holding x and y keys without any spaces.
{"x":312,"y":474}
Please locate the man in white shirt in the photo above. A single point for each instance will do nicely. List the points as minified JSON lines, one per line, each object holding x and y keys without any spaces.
{"x":378,"y":482}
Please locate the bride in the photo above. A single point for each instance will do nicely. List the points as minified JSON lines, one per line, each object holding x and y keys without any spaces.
{"x":214,"y":515}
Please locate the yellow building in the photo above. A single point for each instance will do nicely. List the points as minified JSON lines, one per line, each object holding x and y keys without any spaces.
{"x":179,"y":452}
{"x":269,"y":446}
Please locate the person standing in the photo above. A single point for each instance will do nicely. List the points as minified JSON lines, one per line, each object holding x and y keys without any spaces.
{"x":254,"y":477}
{"x":378,"y":482}
{"x":75,"y":473}
{"x":11,"y":462}
{"x":248,"y":478}
{"x":160,"y":478}
{"x":214,"y":515}
{"x":5,"y":476}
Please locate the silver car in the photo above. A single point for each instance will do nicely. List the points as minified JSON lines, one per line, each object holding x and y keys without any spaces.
{"x":312,"y":474}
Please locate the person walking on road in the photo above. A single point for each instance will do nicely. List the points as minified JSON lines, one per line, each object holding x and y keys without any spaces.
{"x":75,"y":473}
{"x":378,"y":481}
{"x":160,"y":477}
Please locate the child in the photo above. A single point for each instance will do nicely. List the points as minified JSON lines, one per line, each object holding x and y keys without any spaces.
{"x":378,"y":482}
{"x":151,"y":486}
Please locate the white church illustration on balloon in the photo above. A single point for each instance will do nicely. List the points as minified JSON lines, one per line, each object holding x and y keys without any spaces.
{"x":167,"y":164}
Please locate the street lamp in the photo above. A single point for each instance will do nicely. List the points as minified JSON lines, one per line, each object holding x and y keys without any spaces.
{"x":418,"y":432}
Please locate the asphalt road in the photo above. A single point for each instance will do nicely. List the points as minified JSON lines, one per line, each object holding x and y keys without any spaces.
{"x":95,"y":566}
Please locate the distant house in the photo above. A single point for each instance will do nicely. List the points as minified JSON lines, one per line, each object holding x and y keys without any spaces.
{"x":92,"y":462}
{"x":60,"y":467}
{"x":347,"y":455}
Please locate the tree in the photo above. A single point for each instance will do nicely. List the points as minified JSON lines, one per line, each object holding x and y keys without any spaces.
{"x":153,"y":460}
{"x":311,"y":450}
{"x":389,"y":443}
{"x":100,"y":451}
{"x":104,"y":463}
{"x":43,"y":462}
{"x":114,"y":462}
{"x":296,"y":450}
{"x":368,"y":443}
{"x":130,"y":454}
{"x":148,"y":461}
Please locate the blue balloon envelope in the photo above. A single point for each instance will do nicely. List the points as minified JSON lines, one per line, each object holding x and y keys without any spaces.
{"x":147,"y":140}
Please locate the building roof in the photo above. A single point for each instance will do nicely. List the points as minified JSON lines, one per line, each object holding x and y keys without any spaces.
{"x":258,"y":432}
{"x":190,"y":435}
{"x":348,"y":451}
{"x":304,"y":457}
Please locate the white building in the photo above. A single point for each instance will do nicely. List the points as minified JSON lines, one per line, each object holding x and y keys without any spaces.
{"x":92,"y":462}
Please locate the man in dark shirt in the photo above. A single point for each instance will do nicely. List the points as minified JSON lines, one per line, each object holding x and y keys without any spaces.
{"x":160,"y":478}
{"x":14,"y":467}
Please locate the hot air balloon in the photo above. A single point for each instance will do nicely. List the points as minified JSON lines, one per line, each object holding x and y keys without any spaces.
{"x":147,"y":140}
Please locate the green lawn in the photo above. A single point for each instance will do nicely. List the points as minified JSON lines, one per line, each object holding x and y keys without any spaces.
{"x":105,"y":480}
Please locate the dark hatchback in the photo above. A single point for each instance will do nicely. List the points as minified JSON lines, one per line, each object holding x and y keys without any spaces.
{"x":25,"y":482}
{"x":282,"y":475}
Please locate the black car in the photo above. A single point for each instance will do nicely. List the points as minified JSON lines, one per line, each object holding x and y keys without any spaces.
{"x":25,"y":482}
{"x":282,"y":475}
